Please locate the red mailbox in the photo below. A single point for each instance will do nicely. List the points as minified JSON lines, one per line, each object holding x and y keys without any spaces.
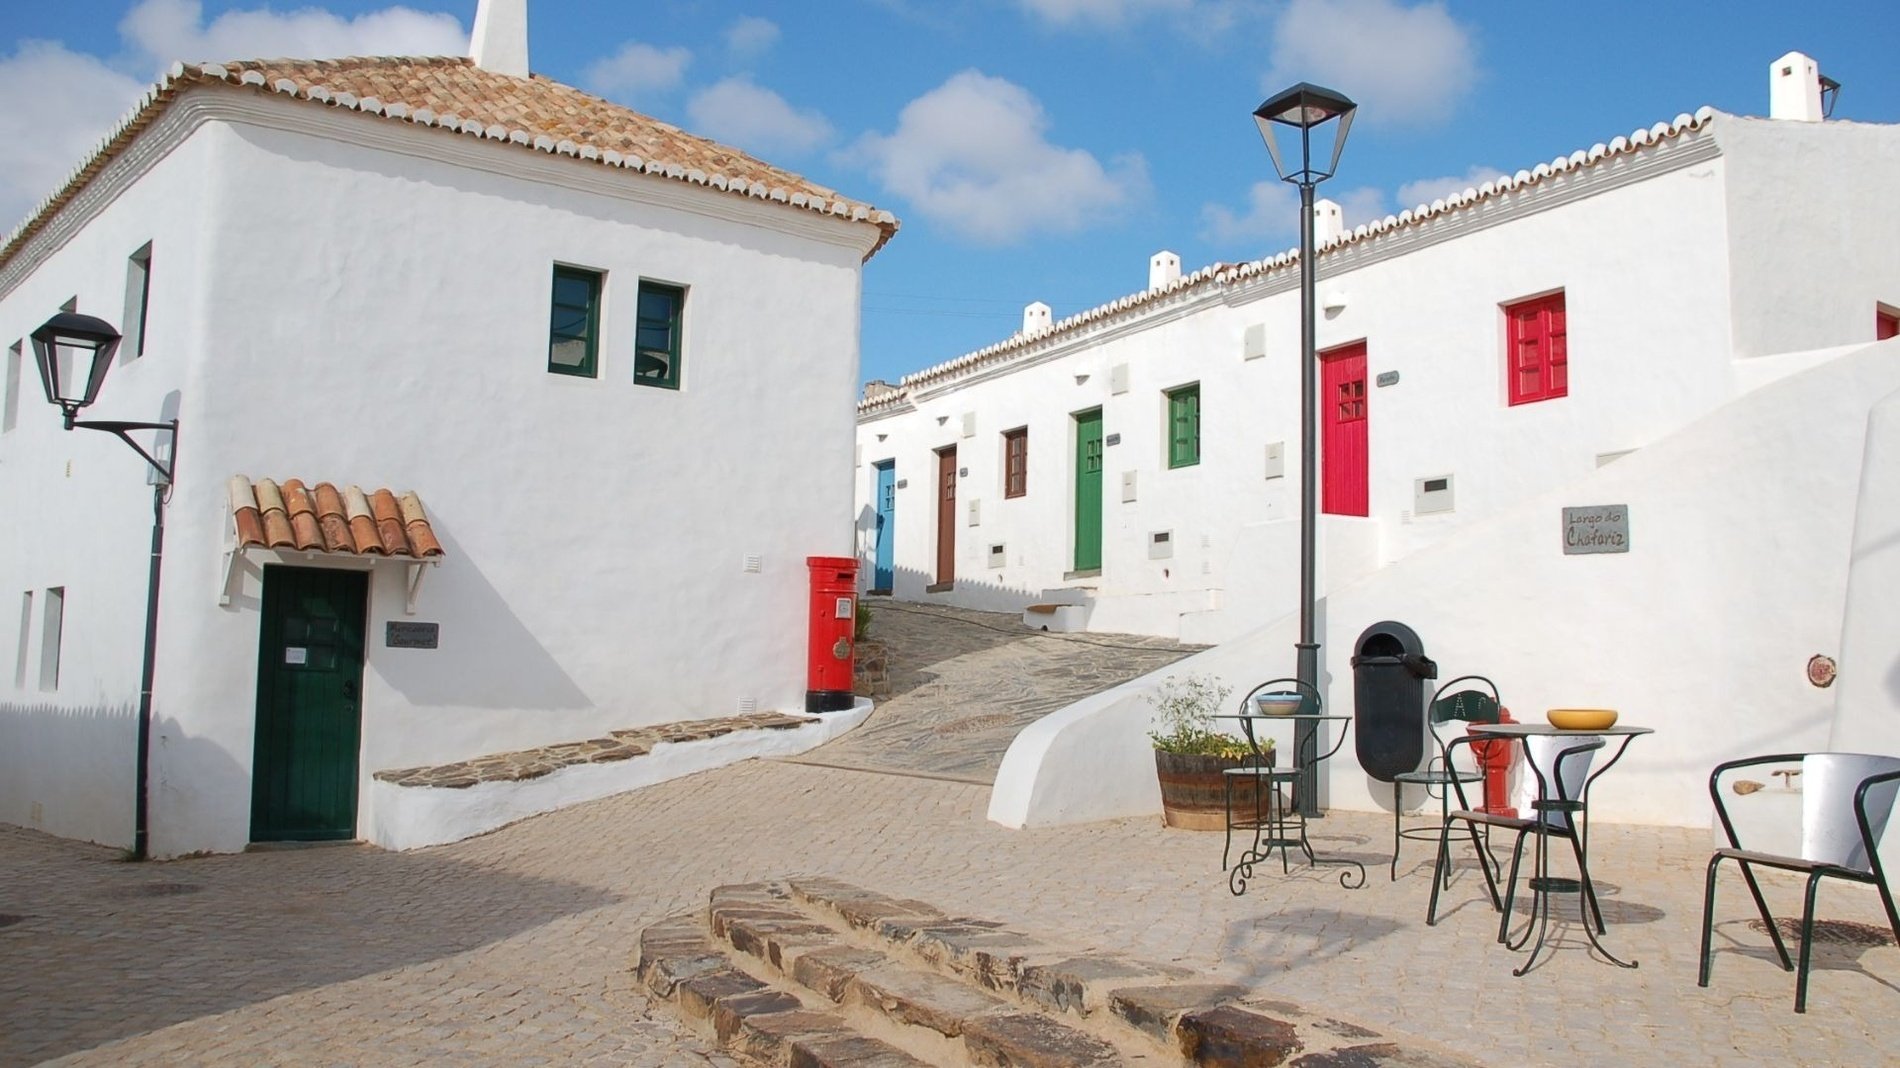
{"x":834,"y":621}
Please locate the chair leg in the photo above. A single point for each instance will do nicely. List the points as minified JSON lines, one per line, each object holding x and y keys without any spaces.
{"x":1444,"y":824}
{"x":1438,"y":867}
{"x":1483,"y":849}
{"x":1767,"y":918}
{"x":1708,"y":922}
{"x":1510,"y":889}
{"x":1807,"y":945}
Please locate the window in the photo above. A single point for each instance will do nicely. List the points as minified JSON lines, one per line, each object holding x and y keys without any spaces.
{"x":138,"y":295}
{"x":656,"y":341}
{"x":10,"y":416}
{"x":1537,"y":348}
{"x":1016,"y":462}
{"x":52,"y":621}
{"x":26,"y":632}
{"x":1886,"y":322}
{"x":1184,"y":426}
{"x":574,"y":324}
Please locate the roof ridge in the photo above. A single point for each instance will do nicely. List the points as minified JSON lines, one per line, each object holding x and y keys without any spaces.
{"x":1220,"y":274}
{"x":536,"y":112}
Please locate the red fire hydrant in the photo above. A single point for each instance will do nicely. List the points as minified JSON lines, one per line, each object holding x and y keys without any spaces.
{"x":1494,"y":759}
{"x":833,"y":625}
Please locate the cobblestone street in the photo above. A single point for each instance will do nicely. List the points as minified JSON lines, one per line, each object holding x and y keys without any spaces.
{"x":514,"y":948}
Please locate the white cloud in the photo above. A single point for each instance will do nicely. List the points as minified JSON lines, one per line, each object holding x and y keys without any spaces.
{"x":756,"y":119}
{"x":973,"y":156}
{"x":1096,"y":13}
{"x":1273,"y":210}
{"x":638,"y":68}
{"x":1426,"y":190}
{"x":1272,"y":214}
{"x":1402,"y":63}
{"x":76,"y":100}
{"x":168,"y":31}
{"x":751,"y":37}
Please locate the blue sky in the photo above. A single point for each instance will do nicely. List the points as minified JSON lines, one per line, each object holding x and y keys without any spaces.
{"x":1034,"y":149}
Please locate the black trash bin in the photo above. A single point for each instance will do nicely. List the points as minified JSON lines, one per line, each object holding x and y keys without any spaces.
{"x":1389,"y":673}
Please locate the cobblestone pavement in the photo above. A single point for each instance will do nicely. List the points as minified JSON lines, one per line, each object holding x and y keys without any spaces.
{"x":964,"y":683}
{"x":513,"y":948}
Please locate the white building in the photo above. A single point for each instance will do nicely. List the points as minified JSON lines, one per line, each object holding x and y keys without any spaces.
{"x":1687,"y":323}
{"x":1141,"y":459}
{"x":340,"y":272}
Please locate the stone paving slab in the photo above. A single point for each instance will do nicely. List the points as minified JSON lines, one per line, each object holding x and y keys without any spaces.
{"x":515,"y":947}
{"x":964,"y":683}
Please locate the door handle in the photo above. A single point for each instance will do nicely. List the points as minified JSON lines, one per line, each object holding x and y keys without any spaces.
{"x":349,"y":689}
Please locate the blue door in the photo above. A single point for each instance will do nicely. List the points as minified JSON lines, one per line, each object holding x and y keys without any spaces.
{"x":886,"y":524}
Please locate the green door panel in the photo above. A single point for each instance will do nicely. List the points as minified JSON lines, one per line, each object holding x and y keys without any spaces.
{"x":1088,"y":491}
{"x":309,"y":704}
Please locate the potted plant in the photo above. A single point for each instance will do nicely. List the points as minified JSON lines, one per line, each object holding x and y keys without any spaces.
{"x":1191,"y":756}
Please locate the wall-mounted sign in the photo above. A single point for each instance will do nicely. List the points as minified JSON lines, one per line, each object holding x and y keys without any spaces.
{"x":1597,"y":528}
{"x":1387,"y":378}
{"x":1112,"y":439}
{"x":411,"y":635}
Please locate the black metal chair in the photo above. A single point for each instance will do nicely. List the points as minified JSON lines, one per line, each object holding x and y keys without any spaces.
{"x":1554,"y":812}
{"x":1845,"y":801}
{"x":1448,"y":705}
{"x":1262,"y":770}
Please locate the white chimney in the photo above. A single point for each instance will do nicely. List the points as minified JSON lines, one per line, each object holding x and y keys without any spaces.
{"x":500,"y":40}
{"x":1329,"y":222}
{"x":1035,"y":318}
{"x":1794,"y":88}
{"x":1164,"y":269}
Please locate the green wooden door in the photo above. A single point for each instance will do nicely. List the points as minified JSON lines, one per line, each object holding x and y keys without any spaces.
{"x":1088,"y":491}
{"x":309,"y":704}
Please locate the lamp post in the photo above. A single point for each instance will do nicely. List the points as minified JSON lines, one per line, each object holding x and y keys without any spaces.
{"x":1310,"y":110}
{"x":74,"y":353}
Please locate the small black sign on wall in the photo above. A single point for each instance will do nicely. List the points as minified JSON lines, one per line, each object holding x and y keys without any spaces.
{"x":411,"y":635}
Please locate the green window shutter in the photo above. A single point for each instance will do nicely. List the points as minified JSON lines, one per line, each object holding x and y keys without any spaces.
{"x":1184,"y":426}
{"x":656,"y":355}
{"x":574,"y":322}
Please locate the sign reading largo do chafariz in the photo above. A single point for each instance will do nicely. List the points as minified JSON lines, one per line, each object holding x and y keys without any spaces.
{"x":1597,"y":528}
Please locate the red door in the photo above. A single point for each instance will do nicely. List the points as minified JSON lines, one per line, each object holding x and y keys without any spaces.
{"x":1342,"y":417}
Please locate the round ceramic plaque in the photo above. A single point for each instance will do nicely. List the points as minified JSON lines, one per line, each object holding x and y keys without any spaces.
{"x":1821,"y":670}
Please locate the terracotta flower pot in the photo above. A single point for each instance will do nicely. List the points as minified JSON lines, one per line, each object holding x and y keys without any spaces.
{"x":1193,"y":786}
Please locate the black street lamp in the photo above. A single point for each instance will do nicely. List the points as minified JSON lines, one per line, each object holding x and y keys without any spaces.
{"x":1312,"y":111}
{"x":74,"y":353}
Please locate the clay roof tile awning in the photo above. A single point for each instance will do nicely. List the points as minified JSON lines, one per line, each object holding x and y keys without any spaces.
{"x":299,"y":518}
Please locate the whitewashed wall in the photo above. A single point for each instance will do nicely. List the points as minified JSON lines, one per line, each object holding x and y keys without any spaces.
{"x":78,"y":506}
{"x":1644,"y":252}
{"x":364,"y":313}
{"x":1740,"y":527}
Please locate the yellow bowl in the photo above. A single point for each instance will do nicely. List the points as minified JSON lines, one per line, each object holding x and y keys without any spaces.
{"x":1581,"y":719}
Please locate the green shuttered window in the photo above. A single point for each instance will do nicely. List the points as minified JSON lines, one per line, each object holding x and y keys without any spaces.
{"x":1184,"y":426}
{"x":656,"y":357}
{"x":574,"y":323}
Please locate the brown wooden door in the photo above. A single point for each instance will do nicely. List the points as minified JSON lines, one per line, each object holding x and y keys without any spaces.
{"x":947,"y":517}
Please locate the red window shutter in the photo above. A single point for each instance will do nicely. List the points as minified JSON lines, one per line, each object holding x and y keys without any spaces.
{"x":1886,"y":325}
{"x":1539,"y":346}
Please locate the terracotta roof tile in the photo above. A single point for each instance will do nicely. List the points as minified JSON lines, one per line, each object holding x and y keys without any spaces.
{"x":455,"y":97}
{"x":266,"y":515}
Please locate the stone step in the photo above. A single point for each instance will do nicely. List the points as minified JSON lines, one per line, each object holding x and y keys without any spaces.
{"x":812,"y":971}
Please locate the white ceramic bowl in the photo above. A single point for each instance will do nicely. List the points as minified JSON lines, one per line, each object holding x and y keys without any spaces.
{"x":1278,"y":704}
